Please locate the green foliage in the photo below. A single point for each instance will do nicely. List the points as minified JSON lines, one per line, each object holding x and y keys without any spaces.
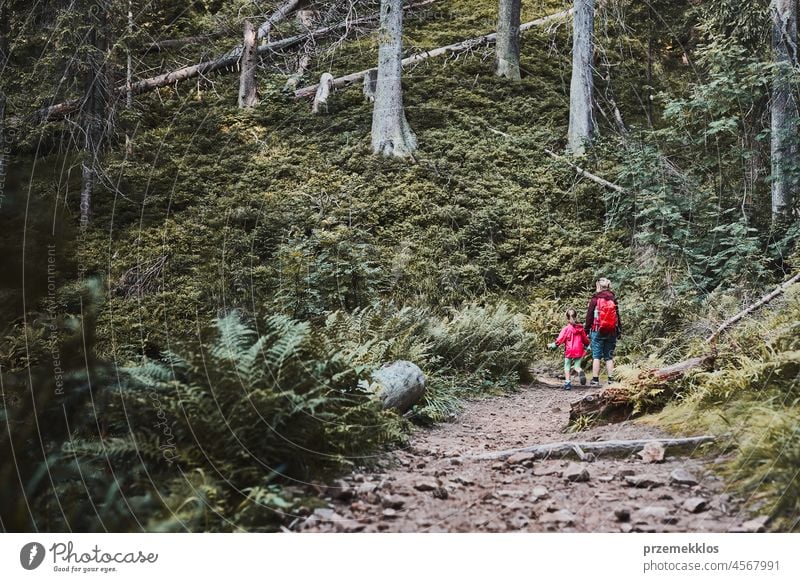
{"x":753,"y":397}
{"x":238,"y":408}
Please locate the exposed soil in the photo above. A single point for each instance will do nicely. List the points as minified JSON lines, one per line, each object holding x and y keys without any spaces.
{"x":432,"y":485}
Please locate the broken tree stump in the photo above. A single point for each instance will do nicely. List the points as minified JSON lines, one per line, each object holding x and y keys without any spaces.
{"x":370,"y":80}
{"x":323,"y":92}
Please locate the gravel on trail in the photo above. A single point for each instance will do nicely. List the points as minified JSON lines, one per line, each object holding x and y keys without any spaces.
{"x":433,"y":485}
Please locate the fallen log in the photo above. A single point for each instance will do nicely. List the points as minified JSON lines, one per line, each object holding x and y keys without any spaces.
{"x":608,"y":448}
{"x":280,"y":13}
{"x":760,"y":303}
{"x":614,"y":403}
{"x":228,"y":61}
{"x":341,"y":82}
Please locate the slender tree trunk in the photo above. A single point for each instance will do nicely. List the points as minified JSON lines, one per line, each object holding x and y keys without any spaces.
{"x":247,"y":79}
{"x":391,"y":133}
{"x":2,"y":148}
{"x":581,"y":118}
{"x":507,"y":50}
{"x":784,"y":109}
{"x":95,"y":105}
{"x":3,"y":74}
{"x":129,"y":69}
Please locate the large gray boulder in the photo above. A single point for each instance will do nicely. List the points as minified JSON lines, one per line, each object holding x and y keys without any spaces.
{"x":399,"y":385}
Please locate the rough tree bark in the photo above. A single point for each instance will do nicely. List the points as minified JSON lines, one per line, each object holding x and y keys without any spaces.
{"x":391,"y":133}
{"x":2,"y":145}
{"x":247,"y":78}
{"x":95,"y":104}
{"x":129,"y":68}
{"x":507,"y":48}
{"x":581,"y":117}
{"x":3,"y":61}
{"x":784,"y":109}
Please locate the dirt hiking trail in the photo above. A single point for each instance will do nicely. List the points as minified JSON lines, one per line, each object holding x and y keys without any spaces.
{"x":433,"y":486}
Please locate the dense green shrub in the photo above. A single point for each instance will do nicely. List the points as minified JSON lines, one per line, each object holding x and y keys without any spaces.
{"x":239,"y":408}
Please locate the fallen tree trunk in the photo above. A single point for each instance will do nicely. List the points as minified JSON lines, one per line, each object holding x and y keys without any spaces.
{"x":614,"y":403}
{"x":341,"y":82}
{"x":229,"y":60}
{"x":760,"y":303}
{"x":608,"y":448}
{"x":280,"y":13}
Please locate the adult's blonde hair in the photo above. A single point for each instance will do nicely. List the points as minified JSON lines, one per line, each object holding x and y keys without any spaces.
{"x":604,"y":284}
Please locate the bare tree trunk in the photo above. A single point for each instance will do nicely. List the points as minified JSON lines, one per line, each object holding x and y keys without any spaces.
{"x":391,"y":133}
{"x":784,"y":109}
{"x":95,"y":104}
{"x":581,"y":117}
{"x":247,"y":78}
{"x":129,"y":69}
{"x":2,"y":147}
{"x":507,"y":49}
{"x":3,"y":63}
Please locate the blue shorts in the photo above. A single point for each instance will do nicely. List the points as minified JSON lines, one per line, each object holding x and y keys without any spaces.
{"x":603,"y":345}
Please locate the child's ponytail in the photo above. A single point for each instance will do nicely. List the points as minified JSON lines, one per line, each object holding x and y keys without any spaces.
{"x":572,"y":316}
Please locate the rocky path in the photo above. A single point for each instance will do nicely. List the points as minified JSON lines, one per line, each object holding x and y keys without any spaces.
{"x":431,"y":487}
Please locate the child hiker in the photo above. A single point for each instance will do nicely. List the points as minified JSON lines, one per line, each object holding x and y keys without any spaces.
{"x":575,"y":340}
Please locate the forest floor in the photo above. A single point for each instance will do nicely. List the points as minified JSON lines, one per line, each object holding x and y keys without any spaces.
{"x":433,"y":486}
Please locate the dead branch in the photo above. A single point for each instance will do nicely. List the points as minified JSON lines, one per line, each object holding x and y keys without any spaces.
{"x":142,"y":278}
{"x":609,"y":448}
{"x":712,"y":339}
{"x":341,"y":82}
{"x":280,"y":13}
{"x":587,"y":174}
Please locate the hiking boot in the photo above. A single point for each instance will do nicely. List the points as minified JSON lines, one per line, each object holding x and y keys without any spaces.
{"x":582,"y":377}
{"x":610,"y":380}
{"x":567,"y":385}
{"x":595,"y":383}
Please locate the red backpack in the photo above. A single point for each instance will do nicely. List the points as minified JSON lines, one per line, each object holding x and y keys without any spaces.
{"x":605,"y":316}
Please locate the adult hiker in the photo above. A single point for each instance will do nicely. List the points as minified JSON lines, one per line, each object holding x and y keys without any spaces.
{"x":604,"y":327}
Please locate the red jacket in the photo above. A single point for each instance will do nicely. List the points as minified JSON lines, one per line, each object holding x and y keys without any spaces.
{"x":593,"y":304}
{"x":574,"y":338}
